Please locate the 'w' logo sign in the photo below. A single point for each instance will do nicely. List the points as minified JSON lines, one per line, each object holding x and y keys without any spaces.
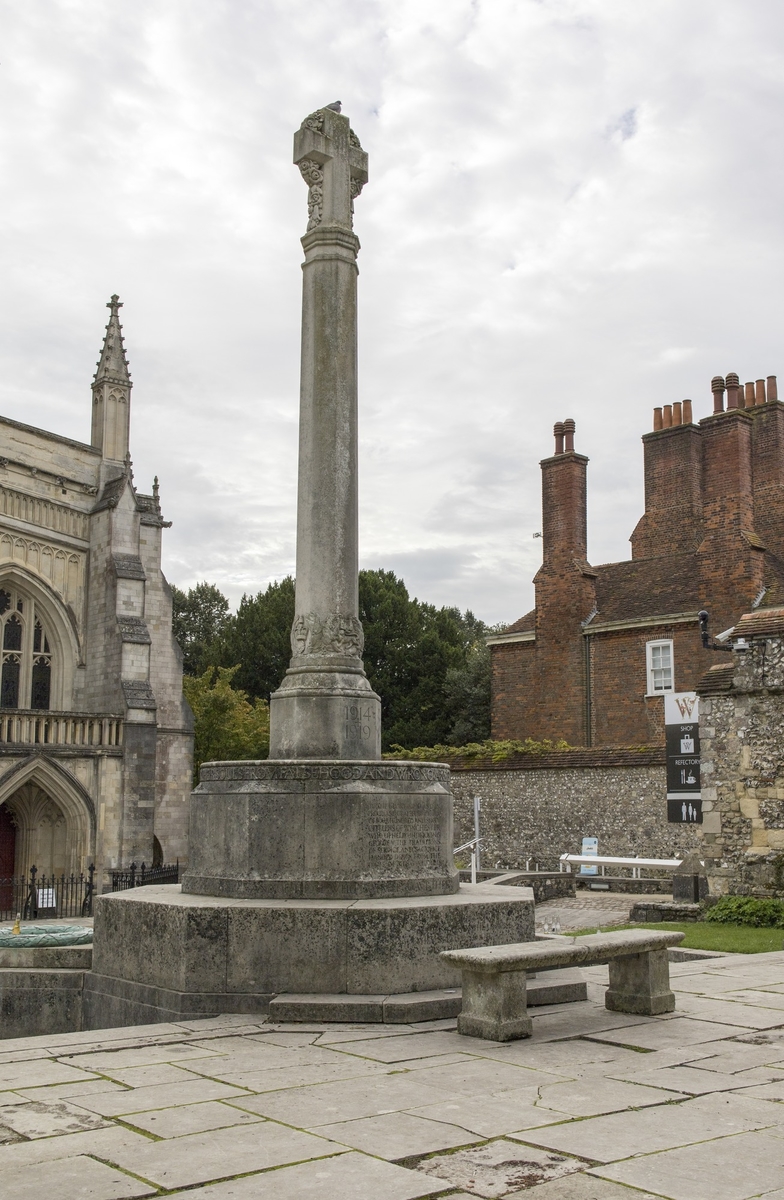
{"x":686,"y":705}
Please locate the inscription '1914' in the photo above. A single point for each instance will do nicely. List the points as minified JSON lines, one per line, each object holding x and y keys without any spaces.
{"x":360,"y":719}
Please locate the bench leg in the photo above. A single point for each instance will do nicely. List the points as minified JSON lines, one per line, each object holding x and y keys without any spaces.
{"x":494,"y":1006}
{"x":640,"y":983}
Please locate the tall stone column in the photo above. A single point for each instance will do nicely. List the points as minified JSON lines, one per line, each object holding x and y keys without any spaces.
{"x":323,"y":818}
{"x":325,"y":707}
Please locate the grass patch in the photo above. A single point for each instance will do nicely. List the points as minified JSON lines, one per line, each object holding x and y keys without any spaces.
{"x":700,"y":935}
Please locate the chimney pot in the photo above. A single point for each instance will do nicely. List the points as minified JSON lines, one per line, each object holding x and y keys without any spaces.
{"x":569,"y":428}
{"x":759,"y":392}
{"x":717,"y":387}
{"x":773,"y":393}
{"x":733,"y":386}
{"x":687,"y":416}
{"x":657,"y":419}
{"x":677,"y":413}
{"x":558,"y":430}
{"x":749,"y":395}
{"x":667,"y":416}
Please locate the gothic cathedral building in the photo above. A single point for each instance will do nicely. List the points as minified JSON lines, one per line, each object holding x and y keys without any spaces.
{"x":96,"y":741}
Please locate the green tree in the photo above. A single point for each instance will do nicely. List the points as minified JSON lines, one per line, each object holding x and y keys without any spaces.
{"x":258,"y":637}
{"x":199,"y":617}
{"x":409,"y":649}
{"x":227,"y":724}
{"x":467,"y":686}
{"x":429,"y":665}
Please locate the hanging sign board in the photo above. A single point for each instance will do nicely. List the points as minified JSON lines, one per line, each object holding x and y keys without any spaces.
{"x":682,"y":729}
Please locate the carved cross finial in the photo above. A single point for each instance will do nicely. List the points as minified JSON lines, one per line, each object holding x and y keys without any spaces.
{"x":333,"y":165}
{"x":114,"y":304}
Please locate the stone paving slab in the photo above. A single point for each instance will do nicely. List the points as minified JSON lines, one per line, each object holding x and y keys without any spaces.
{"x":577,"y":1187}
{"x":733,"y":1168}
{"x":221,"y":1154}
{"x":190,"y":1118}
{"x":501,"y":1167}
{"x":677,"y":1031}
{"x":309,"y":1107}
{"x":236,"y":1107}
{"x":349,"y":1177}
{"x":621,"y":1135}
{"x":590,"y":1097}
{"x":492,"y":1115}
{"x":80,"y":1176}
{"x":132,"y":1100}
{"x":398,"y":1135}
{"x":48,"y":1118}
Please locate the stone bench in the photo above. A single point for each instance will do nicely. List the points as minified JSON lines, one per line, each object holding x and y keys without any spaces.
{"x":494,"y":989}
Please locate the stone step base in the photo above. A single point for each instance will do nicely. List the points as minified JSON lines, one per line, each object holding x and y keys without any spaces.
{"x":549,"y":987}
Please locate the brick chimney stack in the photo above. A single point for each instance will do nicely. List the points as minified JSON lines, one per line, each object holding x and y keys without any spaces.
{"x":731,"y":560}
{"x":717,"y":387}
{"x":565,"y":591}
{"x":767,"y":451}
{"x":670,"y":524}
{"x":564,"y":528}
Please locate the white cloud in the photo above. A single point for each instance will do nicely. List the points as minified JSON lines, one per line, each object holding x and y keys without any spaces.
{"x":573,"y":210}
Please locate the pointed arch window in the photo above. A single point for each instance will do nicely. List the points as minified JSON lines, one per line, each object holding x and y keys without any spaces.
{"x":26,"y":671}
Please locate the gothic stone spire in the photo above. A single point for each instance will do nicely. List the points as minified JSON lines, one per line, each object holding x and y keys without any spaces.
{"x":112,"y":392}
{"x":113,"y":363}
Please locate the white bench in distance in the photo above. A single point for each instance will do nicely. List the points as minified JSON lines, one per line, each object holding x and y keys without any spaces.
{"x":494,"y":992}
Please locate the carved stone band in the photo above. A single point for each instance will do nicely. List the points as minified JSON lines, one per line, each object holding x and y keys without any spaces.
{"x":336,"y":634}
{"x":402,"y":772}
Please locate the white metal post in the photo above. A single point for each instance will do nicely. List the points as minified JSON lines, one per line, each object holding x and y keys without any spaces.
{"x":477,"y":806}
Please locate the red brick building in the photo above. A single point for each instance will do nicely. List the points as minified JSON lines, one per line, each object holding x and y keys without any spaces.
{"x":591,"y":662}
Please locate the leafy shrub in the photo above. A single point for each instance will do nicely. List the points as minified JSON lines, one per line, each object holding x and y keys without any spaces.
{"x":495,"y":751}
{"x":746,"y":910}
{"x":227,"y":724}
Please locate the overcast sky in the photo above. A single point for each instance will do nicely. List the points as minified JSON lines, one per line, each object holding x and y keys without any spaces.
{"x":574,"y":210}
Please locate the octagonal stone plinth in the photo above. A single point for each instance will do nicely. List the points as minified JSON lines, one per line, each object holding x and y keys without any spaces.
{"x":321,"y":830}
{"x":163,"y":955}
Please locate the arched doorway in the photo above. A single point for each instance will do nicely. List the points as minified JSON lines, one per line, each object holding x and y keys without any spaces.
{"x":54,"y":817}
{"x":7,"y":857}
{"x":41,"y":833}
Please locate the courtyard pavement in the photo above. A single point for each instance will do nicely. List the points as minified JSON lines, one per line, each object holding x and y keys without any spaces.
{"x":595,"y":1106}
{"x":588,"y":909}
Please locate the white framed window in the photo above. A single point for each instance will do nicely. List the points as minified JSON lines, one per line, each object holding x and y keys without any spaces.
{"x":661,"y":667}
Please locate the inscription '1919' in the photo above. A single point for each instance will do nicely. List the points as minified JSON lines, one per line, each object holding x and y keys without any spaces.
{"x":359,"y":720}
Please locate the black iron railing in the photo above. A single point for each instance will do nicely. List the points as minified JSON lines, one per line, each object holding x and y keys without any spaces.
{"x":135,"y":876}
{"x":34,"y":896}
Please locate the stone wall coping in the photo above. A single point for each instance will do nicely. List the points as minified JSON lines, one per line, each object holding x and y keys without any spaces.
{"x":530,"y":956}
{"x":600,"y":756}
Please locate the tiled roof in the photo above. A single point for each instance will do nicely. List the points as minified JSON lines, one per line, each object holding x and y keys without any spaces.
{"x":524,"y":624}
{"x":646,"y":587}
{"x":654,"y":587}
{"x":761,"y":623}
{"x":717,"y":679}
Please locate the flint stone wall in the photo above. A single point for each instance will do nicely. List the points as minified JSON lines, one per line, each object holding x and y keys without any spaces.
{"x":742,"y":766}
{"x":537,"y":809}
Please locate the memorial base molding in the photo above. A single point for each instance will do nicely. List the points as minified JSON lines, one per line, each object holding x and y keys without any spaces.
{"x":321,"y":829}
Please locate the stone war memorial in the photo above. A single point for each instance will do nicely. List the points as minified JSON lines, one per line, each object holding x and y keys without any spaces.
{"x":321,"y":880}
